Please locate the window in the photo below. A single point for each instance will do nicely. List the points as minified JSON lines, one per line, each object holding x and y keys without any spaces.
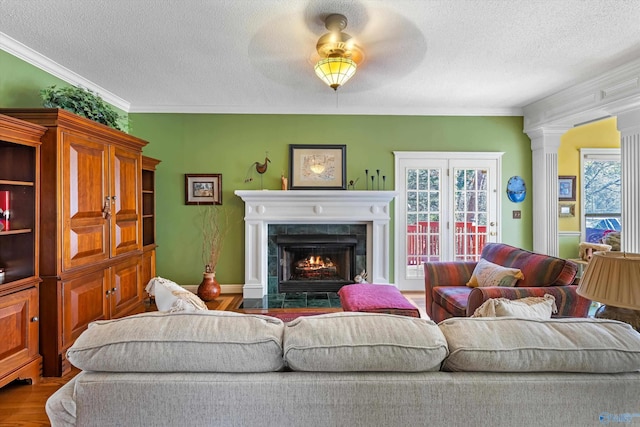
{"x":601,"y":178}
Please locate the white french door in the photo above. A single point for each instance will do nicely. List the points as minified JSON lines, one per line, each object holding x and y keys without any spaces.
{"x":446,"y":209}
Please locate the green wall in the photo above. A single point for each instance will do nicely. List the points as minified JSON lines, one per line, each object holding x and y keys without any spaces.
{"x":229,"y":144}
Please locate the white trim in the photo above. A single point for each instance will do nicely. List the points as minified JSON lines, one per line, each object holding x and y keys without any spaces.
{"x":607,"y":95}
{"x":224,"y":289}
{"x":372,"y":110}
{"x":40,"y":61}
{"x":569,"y":233}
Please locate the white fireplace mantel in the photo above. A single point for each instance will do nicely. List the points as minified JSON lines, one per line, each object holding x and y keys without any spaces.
{"x":264,"y":207}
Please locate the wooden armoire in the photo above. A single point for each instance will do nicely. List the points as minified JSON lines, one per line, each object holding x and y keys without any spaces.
{"x":90,"y":228}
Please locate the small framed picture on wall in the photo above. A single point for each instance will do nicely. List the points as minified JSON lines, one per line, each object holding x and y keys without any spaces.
{"x":567,"y":188}
{"x":203,"y":189}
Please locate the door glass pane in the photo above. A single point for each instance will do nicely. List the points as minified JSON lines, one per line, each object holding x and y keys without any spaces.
{"x":470,"y":204}
{"x":422,"y":218}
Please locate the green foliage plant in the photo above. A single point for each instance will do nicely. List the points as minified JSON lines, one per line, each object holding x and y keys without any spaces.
{"x":82,"y":102}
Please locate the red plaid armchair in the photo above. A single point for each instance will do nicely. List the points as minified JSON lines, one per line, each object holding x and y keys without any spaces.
{"x":447,"y":295}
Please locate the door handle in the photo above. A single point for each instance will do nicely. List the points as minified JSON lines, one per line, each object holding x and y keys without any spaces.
{"x":106,"y":210}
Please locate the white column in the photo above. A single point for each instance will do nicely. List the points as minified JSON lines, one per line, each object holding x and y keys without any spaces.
{"x":544,"y":146}
{"x":629,"y":127}
{"x":255,"y":260}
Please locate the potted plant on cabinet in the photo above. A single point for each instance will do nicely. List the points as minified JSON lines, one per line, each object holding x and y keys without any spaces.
{"x":82,"y":102}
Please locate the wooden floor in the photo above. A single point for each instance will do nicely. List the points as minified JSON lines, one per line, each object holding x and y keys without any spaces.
{"x":22,"y":404}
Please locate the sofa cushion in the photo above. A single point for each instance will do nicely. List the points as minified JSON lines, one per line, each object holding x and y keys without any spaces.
{"x":355,"y":342}
{"x":506,"y":344}
{"x":203,"y":341}
{"x":538,"y":269}
{"x":453,"y":298}
{"x":529,"y":307}
{"x":169,"y":296}
{"x":487,"y":273}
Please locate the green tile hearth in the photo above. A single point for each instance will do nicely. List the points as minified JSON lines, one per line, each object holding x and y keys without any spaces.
{"x":295,"y":300}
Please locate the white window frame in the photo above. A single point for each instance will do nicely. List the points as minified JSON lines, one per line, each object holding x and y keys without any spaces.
{"x":599,"y":154}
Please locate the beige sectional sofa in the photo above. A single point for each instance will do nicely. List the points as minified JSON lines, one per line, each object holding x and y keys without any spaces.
{"x":349,"y":369}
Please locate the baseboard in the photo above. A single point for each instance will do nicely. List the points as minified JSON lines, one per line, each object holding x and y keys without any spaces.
{"x":224,"y":289}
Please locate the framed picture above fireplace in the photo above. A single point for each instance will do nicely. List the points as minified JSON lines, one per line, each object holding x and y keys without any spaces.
{"x":317,"y":167}
{"x":203,"y":189}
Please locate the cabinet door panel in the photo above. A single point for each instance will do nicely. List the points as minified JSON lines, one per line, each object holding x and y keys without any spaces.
{"x":125,"y":172}
{"x":125,"y":293}
{"x":83,"y":301}
{"x":19,"y":341}
{"x":84,"y":189}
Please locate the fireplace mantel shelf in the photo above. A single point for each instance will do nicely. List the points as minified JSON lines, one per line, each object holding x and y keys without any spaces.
{"x":264,"y":207}
{"x":303,"y":205}
{"x":280,"y":195}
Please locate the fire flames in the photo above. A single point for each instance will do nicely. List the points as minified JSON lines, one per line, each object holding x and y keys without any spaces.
{"x":314,"y":262}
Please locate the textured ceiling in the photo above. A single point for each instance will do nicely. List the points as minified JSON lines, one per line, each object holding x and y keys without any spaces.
{"x":255,"y":56}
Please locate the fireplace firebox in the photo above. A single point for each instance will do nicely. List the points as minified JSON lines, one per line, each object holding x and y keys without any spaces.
{"x":315,"y":262}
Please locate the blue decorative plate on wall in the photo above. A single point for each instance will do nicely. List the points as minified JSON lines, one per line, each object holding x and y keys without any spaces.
{"x":516,"y":190}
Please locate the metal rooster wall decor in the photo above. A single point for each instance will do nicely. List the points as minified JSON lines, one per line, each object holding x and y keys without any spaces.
{"x":260,"y":168}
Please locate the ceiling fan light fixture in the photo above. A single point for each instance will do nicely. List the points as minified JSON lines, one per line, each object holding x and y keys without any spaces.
{"x":339,"y":52}
{"x":335,"y":71}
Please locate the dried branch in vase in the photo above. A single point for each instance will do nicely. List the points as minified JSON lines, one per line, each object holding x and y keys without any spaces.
{"x":215,"y":225}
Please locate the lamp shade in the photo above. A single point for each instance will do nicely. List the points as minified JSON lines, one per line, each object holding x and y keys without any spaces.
{"x":612,"y":278}
{"x":335,"y":71}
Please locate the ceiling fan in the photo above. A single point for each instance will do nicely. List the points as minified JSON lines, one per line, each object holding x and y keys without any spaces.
{"x":383,"y":46}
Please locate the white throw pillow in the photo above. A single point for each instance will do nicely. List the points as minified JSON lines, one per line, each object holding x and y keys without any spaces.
{"x":172,"y":297}
{"x":529,"y":307}
{"x":487,"y":273}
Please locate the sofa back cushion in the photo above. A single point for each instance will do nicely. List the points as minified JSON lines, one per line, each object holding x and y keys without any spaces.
{"x":538,"y":269}
{"x":203,"y":341}
{"x":507,"y":344}
{"x":356,"y":342}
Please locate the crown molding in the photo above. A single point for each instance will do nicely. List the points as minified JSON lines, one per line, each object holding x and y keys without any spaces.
{"x":369,"y":111}
{"x":613,"y":92}
{"x":40,"y":61}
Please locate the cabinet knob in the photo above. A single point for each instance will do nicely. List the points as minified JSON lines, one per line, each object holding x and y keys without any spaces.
{"x":106,"y":210}
{"x":108,"y":292}
{"x":34,"y":319}
{"x":114,"y":289}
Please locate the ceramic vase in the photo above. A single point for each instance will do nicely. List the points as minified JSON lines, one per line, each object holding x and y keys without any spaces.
{"x":209,"y":288}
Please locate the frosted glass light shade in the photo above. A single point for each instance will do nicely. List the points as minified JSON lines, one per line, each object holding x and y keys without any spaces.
{"x":612,"y":278}
{"x":335,"y":71}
